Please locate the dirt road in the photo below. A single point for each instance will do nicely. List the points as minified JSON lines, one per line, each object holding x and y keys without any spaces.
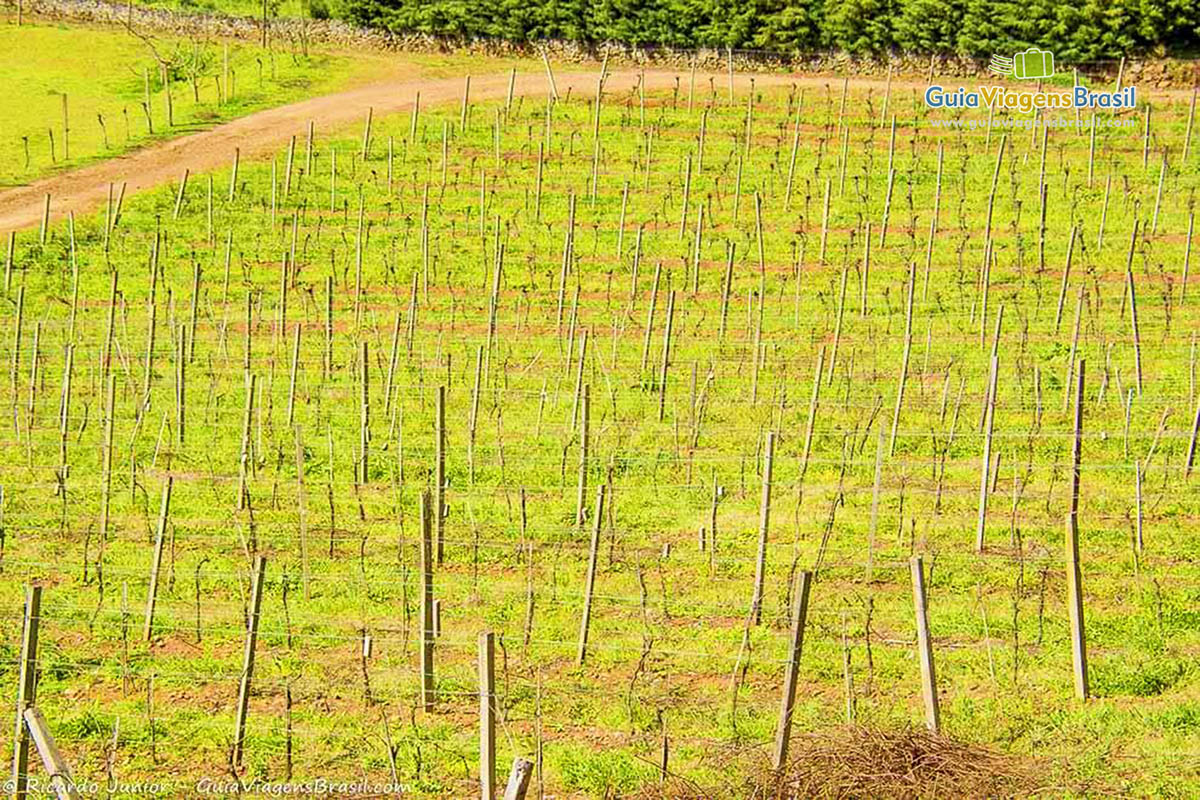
{"x":86,"y":189}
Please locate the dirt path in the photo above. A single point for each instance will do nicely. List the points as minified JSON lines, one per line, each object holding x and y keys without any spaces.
{"x":86,"y":189}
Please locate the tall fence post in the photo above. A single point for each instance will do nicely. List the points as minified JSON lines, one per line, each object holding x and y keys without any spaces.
{"x":256,"y":589}
{"x":799,"y":615}
{"x":1074,"y":576}
{"x":427,"y":634}
{"x":487,"y":714}
{"x":925,"y":646}
{"x":26,"y":689}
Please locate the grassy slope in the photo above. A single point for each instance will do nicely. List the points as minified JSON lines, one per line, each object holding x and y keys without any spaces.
{"x":40,"y":61}
{"x":999,"y":620}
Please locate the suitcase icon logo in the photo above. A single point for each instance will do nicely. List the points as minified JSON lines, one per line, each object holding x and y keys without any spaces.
{"x":1029,"y":64}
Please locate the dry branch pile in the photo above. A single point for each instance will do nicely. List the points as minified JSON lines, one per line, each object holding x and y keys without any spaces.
{"x":853,"y":762}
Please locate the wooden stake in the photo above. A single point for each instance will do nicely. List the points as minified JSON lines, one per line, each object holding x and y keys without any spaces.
{"x":26,"y":688}
{"x":487,"y":713}
{"x":666,"y":356}
{"x":584,"y":435}
{"x":233,"y":175}
{"x":364,"y":427}
{"x":439,"y":489}
{"x":912,"y":280}
{"x":791,"y":675}
{"x":156,"y":562}
{"x":764,"y":520}
{"x":302,"y":509}
{"x":52,"y":759}
{"x":256,"y":590}
{"x":518,"y":779}
{"x":986,"y":461}
{"x":366,"y":143}
{"x":1074,"y":576}
{"x":428,"y":695}
{"x":925,"y":646}
{"x":590,"y":578}
{"x":1133,"y":314}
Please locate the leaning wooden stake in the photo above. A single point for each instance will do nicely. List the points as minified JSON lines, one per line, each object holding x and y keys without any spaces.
{"x":156,"y":562}
{"x":764,"y":519}
{"x":590,"y":579}
{"x":925,"y":646}
{"x":256,"y":590}
{"x":52,"y":759}
{"x":518,"y":779}
{"x":1074,"y":576}
{"x":26,"y":689}
{"x":783,"y":731}
{"x":487,"y":715}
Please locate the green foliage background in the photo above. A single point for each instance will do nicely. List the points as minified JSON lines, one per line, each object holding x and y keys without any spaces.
{"x":1077,"y":32}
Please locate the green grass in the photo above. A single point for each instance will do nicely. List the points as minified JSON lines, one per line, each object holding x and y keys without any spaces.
{"x":666,"y":628}
{"x":42,"y":61}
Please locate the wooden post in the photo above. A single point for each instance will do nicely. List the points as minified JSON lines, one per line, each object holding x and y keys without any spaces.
{"x":181,"y":386}
{"x":985,"y":464}
{"x":302,"y":509}
{"x":764,"y":520}
{"x":590,"y":580}
{"x":364,"y":428}
{"x":439,"y":489}
{"x":1191,"y":451}
{"x":1074,"y":577}
{"x":666,"y":356}
{"x":518,"y":779}
{"x":1133,"y":314}
{"x":925,"y":646}
{"x":244,"y":462}
{"x":366,"y":144}
{"x":256,"y":589}
{"x":180,"y":195}
{"x":106,"y":463}
{"x":427,"y":636}
{"x":791,"y":674}
{"x":487,"y":714}
{"x":156,"y":562}
{"x":295,"y":368}
{"x":912,"y":280}
{"x":26,"y":689}
{"x":584,"y":435}
{"x":52,"y":759}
